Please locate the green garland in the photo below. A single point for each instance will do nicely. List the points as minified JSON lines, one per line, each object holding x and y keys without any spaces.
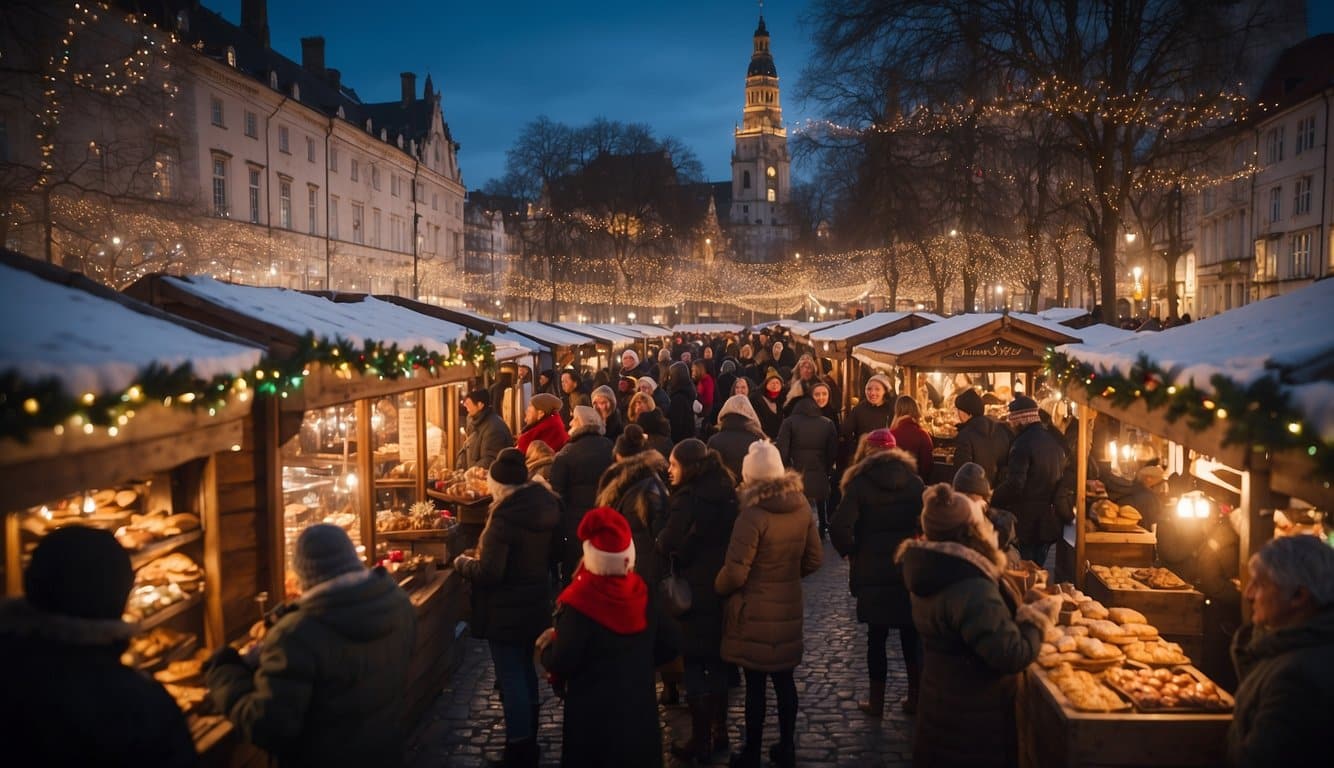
{"x":1260,"y":415}
{"x":28,"y":406}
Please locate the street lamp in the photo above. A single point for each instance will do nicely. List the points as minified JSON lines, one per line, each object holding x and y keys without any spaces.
{"x":1130,"y":238}
{"x":954,"y":233}
{"x":631,"y":316}
{"x":1000,"y":296}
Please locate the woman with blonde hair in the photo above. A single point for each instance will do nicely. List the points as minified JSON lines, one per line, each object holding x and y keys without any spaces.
{"x":907,"y":429}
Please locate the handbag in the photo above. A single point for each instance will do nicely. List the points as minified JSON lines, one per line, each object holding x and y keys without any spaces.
{"x":675,"y":592}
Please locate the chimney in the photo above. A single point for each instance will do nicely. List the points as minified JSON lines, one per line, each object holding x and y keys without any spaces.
{"x":335,"y":79}
{"x":255,"y":19}
{"x":312,"y":55}
{"x":409,"y":88}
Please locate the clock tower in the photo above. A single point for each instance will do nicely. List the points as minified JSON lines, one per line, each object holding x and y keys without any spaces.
{"x":760,"y":181}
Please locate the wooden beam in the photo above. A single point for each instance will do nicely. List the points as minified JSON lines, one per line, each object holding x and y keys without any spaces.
{"x":1081,"y":490}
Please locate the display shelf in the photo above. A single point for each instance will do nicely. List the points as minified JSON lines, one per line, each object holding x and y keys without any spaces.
{"x":310,"y":486}
{"x":396,"y":482}
{"x":150,"y":552}
{"x":430,"y":533}
{"x":171,"y":612}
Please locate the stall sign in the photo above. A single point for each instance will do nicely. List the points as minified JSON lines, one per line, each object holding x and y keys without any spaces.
{"x":407,"y":433}
{"x":995,"y":350}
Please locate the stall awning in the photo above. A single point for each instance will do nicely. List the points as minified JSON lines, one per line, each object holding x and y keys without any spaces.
{"x":549,"y":335}
{"x":1064,"y":315}
{"x":868,"y":325}
{"x":709,"y":328}
{"x":1029,"y":332}
{"x":803,"y":329}
{"x":604,"y":334}
{"x":648,"y":331}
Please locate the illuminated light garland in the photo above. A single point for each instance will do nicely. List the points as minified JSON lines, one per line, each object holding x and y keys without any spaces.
{"x":1258,"y":415}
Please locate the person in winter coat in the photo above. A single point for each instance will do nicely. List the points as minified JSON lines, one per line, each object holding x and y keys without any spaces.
{"x":783,"y":355}
{"x":681,"y":402}
{"x":1032,"y":477}
{"x":727,"y":376}
{"x":659,"y":394}
{"x":625,"y":389}
{"x":542,"y":421}
{"x":738,"y":427}
{"x":604,"y":402}
{"x":702,"y":510}
{"x":635,"y":485}
{"x":67,"y":699}
{"x":330,"y":680}
{"x":774,"y":545}
{"x":882,"y":501}
{"x":539,"y":460}
{"x":602,"y":651}
{"x":574,"y":477}
{"x":977,"y":638}
{"x":910,"y":436}
{"x":572,"y":395}
{"x":704,"y":383}
{"x":1285,"y":657}
{"x":630,"y":365}
{"x":980,"y":440}
{"x":511,"y":604}
{"x":487,"y":433}
{"x":875,"y":411}
{"x":743,"y":386}
{"x":823,"y":395}
{"x":804,"y":376}
{"x":808,"y":443}
{"x":768,"y":404}
{"x":971,"y":481}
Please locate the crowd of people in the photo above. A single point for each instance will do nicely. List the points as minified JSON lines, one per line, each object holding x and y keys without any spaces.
{"x":653,"y":525}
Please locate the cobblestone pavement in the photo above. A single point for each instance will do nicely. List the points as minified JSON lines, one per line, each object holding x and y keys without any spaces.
{"x":466,"y":723}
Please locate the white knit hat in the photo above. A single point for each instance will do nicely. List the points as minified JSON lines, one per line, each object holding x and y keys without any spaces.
{"x":588,"y":416}
{"x":762,"y":463}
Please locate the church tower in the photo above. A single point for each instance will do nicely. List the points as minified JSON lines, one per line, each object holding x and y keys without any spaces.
{"x":760,"y":181}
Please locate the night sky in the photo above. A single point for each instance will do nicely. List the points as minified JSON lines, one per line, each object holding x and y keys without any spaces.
{"x":679,"y":65}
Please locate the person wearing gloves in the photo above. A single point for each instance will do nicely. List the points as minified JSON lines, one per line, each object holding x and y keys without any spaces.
{"x":510,"y":601}
{"x":774,"y":545}
{"x":977,"y":638}
{"x":602,"y":652}
{"x":1285,"y":657}
{"x":67,"y":699}
{"x":542,"y":421}
{"x":574,"y":477}
{"x":329,"y":681}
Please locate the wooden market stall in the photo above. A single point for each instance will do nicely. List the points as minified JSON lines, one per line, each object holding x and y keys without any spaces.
{"x":121,"y":417}
{"x":559,"y":348}
{"x":834,"y":344}
{"x":360,"y":423}
{"x":608,"y":343}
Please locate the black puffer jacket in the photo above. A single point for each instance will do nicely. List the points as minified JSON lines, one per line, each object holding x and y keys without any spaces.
{"x":1032,"y":477}
{"x":769,"y":413}
{"x":882,"y":500}
{"x":67,"y":699}
{"x":574,"y":477}
{"x":634,"y":487}
{"x":984,"y":442}
{"x":511,"y":595}
{"x":732,"y":440}
{"x":699,"y":526}
{"x":808,"y":443}
{"x":863,"y":419}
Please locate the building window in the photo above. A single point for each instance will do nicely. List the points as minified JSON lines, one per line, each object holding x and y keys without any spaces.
{"x":333,"y":217}
{"x":284,"y":140}
{"x":215,"y":112}
{"x":285,"y":203}
{"x":772,"y":195}
{"x":772,"y":172}
{"x":375,"y":177}
{"x":745,"y":179}
{"x":1276,"y":203}
{"x":1301,"y":199}
{"x":251,"y":124}
{"x":254,"y":195}
{"x":435,"y":202}
{"x":356,"y":170}
{"x":420,"y":193}
{"x":164,"y":172}
{"x":220,"y":186}
{"x":1266,"y":260}
{"x":1305,"y":135}
{"x":1300,"y":264}
{"x":396,"y":233}
{"x":1274,"y":145}
{"x":745,"y":209}
{"x":310,"y":149}
{"x":375,"y":227}
{"x":333,"y":159}
{"x":393,"y":184}
{"x":358,"y":223}
{"x":312,"y":201}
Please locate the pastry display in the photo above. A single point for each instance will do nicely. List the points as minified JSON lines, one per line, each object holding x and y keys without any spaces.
{"x":147,"y":599}
{"x":1159,"y":578}
{"x":184,"y":670}
{"x":405,"y":470}
{"x":175,"y":568}
{"x":149,"y":648}
{"x":345,"y":520}
{"x":1162,"y":689}
{"x":1093,"y":609}
{"x":188,"y":697}
{"x":1109,"y":516}
{"x":1084,"y":691}
{"x":146,"y":529}
{"x":390,"y":521}
{"x":1117,"y":577}
{"x":1125,"y":616}
{"x":1158,"y":653}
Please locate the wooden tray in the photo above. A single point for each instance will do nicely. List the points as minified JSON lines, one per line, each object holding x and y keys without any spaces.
{"x":1228,"y":702}
{"x":427,"y":533}
{"x":1098,"y":665}
{"x":1119,"y":527}
{"x":1061,"y":699}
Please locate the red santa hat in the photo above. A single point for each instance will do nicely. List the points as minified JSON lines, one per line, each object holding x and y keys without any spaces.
{"x":608,"y":548}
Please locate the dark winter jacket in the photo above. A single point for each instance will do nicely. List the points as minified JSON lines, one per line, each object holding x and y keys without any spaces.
{"x":1285,"y":694}
{"x":808,"y":443}
{"x":68,"y":701}
{"x":1032,"y":477}
{"x":681,"y":402}
{"x":487,"y":437}
{"x":511,"y":600}
{"x":574,"y":477}
{"x":611,"y":704}
{"x":975,"y":654}
{"x":912,"y":438}
{"x":549,"y":429}
{"x":770,"y":413}
{"x":774,"y":545}
{"x":985,"y":442}
{"x":662,"y":399}
{"x":331,"y":680}
{"x":864,"y":418}
{"x":659,"y":432}
{"x":699,"y":527}
{"x":733,"y":439}
{"x":571,"y":400}
{"x":882,"y":500}
{"x":614,"y":426}
{"x":634,"y":486}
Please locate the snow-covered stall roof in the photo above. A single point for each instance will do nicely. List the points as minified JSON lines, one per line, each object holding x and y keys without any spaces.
{"x":918,"y":339}
{"x":549,"y":335}
{"x":862,"y":325}
{"x":713,"y":328}
{"x":806,"y":328}
{"x":599,"y":332}
{"x":649,"y":331}
{"x":1063,"y":314}
{"x":93,"y":344}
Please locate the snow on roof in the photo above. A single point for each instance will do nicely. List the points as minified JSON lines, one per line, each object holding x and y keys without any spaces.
{"x":711,"y":328}
{"x":1099,"y":334}
{"x":804,"y":328}
{"x":949,"y":327}
{"x":649,"y":331}
{"x":93,"y":344}
{"x":548,"y":335}
{"x":368,"y":320}
{"x":871,"y":322}
{"x":510,"y":338}
{"x":605,"y":333}
{"x":1062,"y":314}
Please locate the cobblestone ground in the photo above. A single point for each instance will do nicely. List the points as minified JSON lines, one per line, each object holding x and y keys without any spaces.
{"x":466,"y":721}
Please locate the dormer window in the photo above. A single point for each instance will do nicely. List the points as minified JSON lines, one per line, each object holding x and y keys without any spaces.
{"x":231,"y":55}
{"x":368,"y":126}
{"x":296,"y":91}
{"x":273,"y":80}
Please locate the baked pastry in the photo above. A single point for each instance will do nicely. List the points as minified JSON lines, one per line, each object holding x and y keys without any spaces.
{"x":126,"y":497}
{"x":1084,"y":691}
{"x":1093,"y":609}
{"x":1125,"y":616}
{"x":1140,"y":630}
{"x":185,"y":669}
{"x":1096,"y":649}
{"x":1129,"y":513}
{"x":1156,"y":653}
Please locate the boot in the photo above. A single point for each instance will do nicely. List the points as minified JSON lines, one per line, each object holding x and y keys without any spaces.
{"x":783,"y":755}
{"x":718,"y":723}
{"x":698,"y":746}
{"x":909,"y":703}
{"x":875,"y":705}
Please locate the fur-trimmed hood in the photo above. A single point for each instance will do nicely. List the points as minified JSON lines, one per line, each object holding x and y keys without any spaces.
{"x":587,"y":429}
{"x":19,"y":619}
{"x":891,"y":469}
{"x":625,"y":474}
{"x":930,"y":567}
{"x":783,"y":494}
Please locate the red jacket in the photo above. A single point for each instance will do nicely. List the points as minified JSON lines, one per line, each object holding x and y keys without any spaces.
{"x":913,"y":439}
{"x":704,"y":388}
{"x":550,"y":429}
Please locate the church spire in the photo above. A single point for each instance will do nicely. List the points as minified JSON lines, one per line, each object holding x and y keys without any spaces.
{"x":763,"y":111}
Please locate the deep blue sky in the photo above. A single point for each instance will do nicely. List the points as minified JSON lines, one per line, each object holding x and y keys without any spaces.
{"x":678,"y":65}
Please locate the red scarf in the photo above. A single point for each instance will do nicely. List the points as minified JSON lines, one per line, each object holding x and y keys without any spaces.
{"x":772,"y":395}
{"x":618,"y":603}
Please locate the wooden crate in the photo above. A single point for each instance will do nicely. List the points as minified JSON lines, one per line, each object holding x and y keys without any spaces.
{"x":1106,"y":548}
{"x":1173,"y":612}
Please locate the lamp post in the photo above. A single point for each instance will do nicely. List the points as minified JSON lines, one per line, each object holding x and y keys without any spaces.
{"x":1137,"y":272}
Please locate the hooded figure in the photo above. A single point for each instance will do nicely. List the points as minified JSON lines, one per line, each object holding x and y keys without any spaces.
{"x":681,"y":402}
{"x":574,"y":478}
{"x":738,"y":427}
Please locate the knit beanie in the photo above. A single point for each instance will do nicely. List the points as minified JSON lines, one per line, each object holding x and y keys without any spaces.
{"x":944,"y":511}
{"x":545,"y":402}
{"x":762,"y":462}
{"x":633,"y":355}
{"x":646,"y":384}
{"x":608,"y":548}
{"x":728,"y":366}
{"x":690,"y":451}
{"x":510,"y":467}
{"x":588,"y":417}
{"x":972,"y":478}
{"x":323,"y":552}
{"x":633,"y":440}
{"x":969,"y":402}
{"x":883,"y":381}
{"x":881,"y":438}
{"x":79,"y":571}
{"x":1023,"y":410}
{"x":604,"y":392}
